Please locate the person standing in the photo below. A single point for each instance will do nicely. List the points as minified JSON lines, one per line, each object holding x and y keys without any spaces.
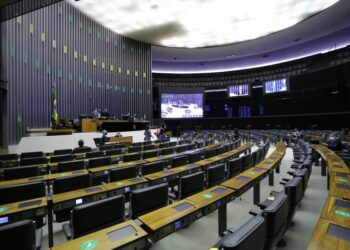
{"x":148,"y":133}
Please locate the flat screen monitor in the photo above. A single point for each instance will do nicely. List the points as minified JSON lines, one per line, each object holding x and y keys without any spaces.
{"x":238,"y":90}
{"x":176,"y":105}
{"x":276,"y":86}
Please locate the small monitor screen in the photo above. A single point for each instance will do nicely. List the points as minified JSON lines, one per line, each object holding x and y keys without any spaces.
{"x":4,"y":220}
{"x":78,"y":201}
{"x":276,"y":86}
{"x":181,"y":105}
{"x":238,"y":90}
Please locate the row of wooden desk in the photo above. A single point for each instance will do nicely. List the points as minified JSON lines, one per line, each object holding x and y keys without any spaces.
{"x":333,"y":228}
{"x":46,"y":205}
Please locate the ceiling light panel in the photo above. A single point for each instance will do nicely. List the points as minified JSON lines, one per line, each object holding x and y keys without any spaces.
{"x":198,"y":23}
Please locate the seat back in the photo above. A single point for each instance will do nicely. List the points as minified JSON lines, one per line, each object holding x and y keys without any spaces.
{"x":66,"y":184}
{"x":195,"y":157}
{"x":246,"y":161}
{"x":68,"y":151}
{"x":18,"y":235}
{"x":220,"y":150}
{"x":94,"y":216}
{"x":134,"y":149}
{"x":215,"y":174}
{"x":8,"y":157}
{"x":182,"y":148}
{"x":235,"y":166}
{"x":32,"y":154}
{"x":70,"y":166}
{"x":116,"y":151}
{"x":250,"y":235}
{"x":148,"y":147}
{"x":21,"y":172}
{"x":179,"y":161}
{"x":149,"y":154}
{"x":210,"y":153}
{"x":132,"y":157}
{"x":61,"y":158}
{"x":191,"y":184}
{"x":148,"y":199}
{"x":294,"y":190}
{"x":22,"y":192}
{"x":81,"y":150}
{"x":106,"y":147}
{"x":98,"y":162}
{"x":149,"y":168}
{"x":164,"y":145}
{"x":167,"y":151}
{"x":94,"y":154}
{"x":33,"y":161}
{"x":119,"y":174}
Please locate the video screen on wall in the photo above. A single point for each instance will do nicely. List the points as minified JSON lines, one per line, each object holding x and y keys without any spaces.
{"x":276,"y":86}
{"x":238,"y":90}
{"x":180,"y":105}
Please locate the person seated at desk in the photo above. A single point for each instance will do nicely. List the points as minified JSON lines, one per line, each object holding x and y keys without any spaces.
{"x":335,"y":143}
{"x":104,"y":138}
{"x":105,"y":113}
{"x":95,"y":114}
{"x":81,"y":148}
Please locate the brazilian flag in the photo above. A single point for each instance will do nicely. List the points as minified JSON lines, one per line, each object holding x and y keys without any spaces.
{"x":54,"y":114}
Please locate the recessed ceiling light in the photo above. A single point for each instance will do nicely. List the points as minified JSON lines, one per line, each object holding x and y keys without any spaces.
{"x":198,"y":23}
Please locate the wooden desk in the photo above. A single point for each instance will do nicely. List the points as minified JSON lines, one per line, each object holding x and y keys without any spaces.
{"x":321,"y":238}
{"x":88,"y":125}
{"x":340,"y":185}
{"x":337,"y":210}
{"x":133,"y":237}
{"x":211,"y":199}
{"x":48,"y":177}
{"x":77,"y":194}
{"x":21,"y":210}
{"x":125,"y":186}
{"x":169,"y":219}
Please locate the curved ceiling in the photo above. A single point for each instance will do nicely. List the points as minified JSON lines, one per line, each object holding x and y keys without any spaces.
{"x":321,"y":33}
{"x":279,"y":30}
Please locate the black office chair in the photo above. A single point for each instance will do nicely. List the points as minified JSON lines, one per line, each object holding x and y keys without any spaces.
{"x":120,"y":145}
{"x":179,"y":161}
{"x":132,"y":157}
{"x":166,"y":151}
{"x":148,"y":147}
{"x":251,"y":235}
{"x":119,"y":174}
{"x":137,"y":144}
{"x":149,"y":154}
{"x":8,"y":157}
{"x":69,"y":166}
{"x":164,"y":145}
{"x":210,"y":153}
{"x":35,"y":154}
{"x":21,"y":172}
{"x":215,"y":175}
{"x":106,"y":147}
{"x":66,"y":184}
{"x":294,"y":190}
{"x":63,"y":151}
{"x":33,"y":161}
{"x":99,"y":162}
{"x":275,"y":212}
{"x":94,"y":216}
{"x":94,"y":154}
{"x":189,"y":185}
{"x":81,"y":150}
{"x":192,"y":146}
{"x":61,"y":158}
{"x":182,"y":148}
{"x":246,"y":161}
{"x":111,"y":152}
{"x":19,"y":235}
{"x":134,"y":149}
{"x":146,"y":143}
{"x":172,"y":144}
{"x":195,"y":157}
{"x":235,"y":167}
{"x":24,"y":192}
{"x":153,"y":167}
{"x":220,"y":150}
{"x":145,"y":200}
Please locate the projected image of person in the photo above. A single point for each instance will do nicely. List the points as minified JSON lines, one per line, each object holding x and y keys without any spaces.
{"x":181,"y":105}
